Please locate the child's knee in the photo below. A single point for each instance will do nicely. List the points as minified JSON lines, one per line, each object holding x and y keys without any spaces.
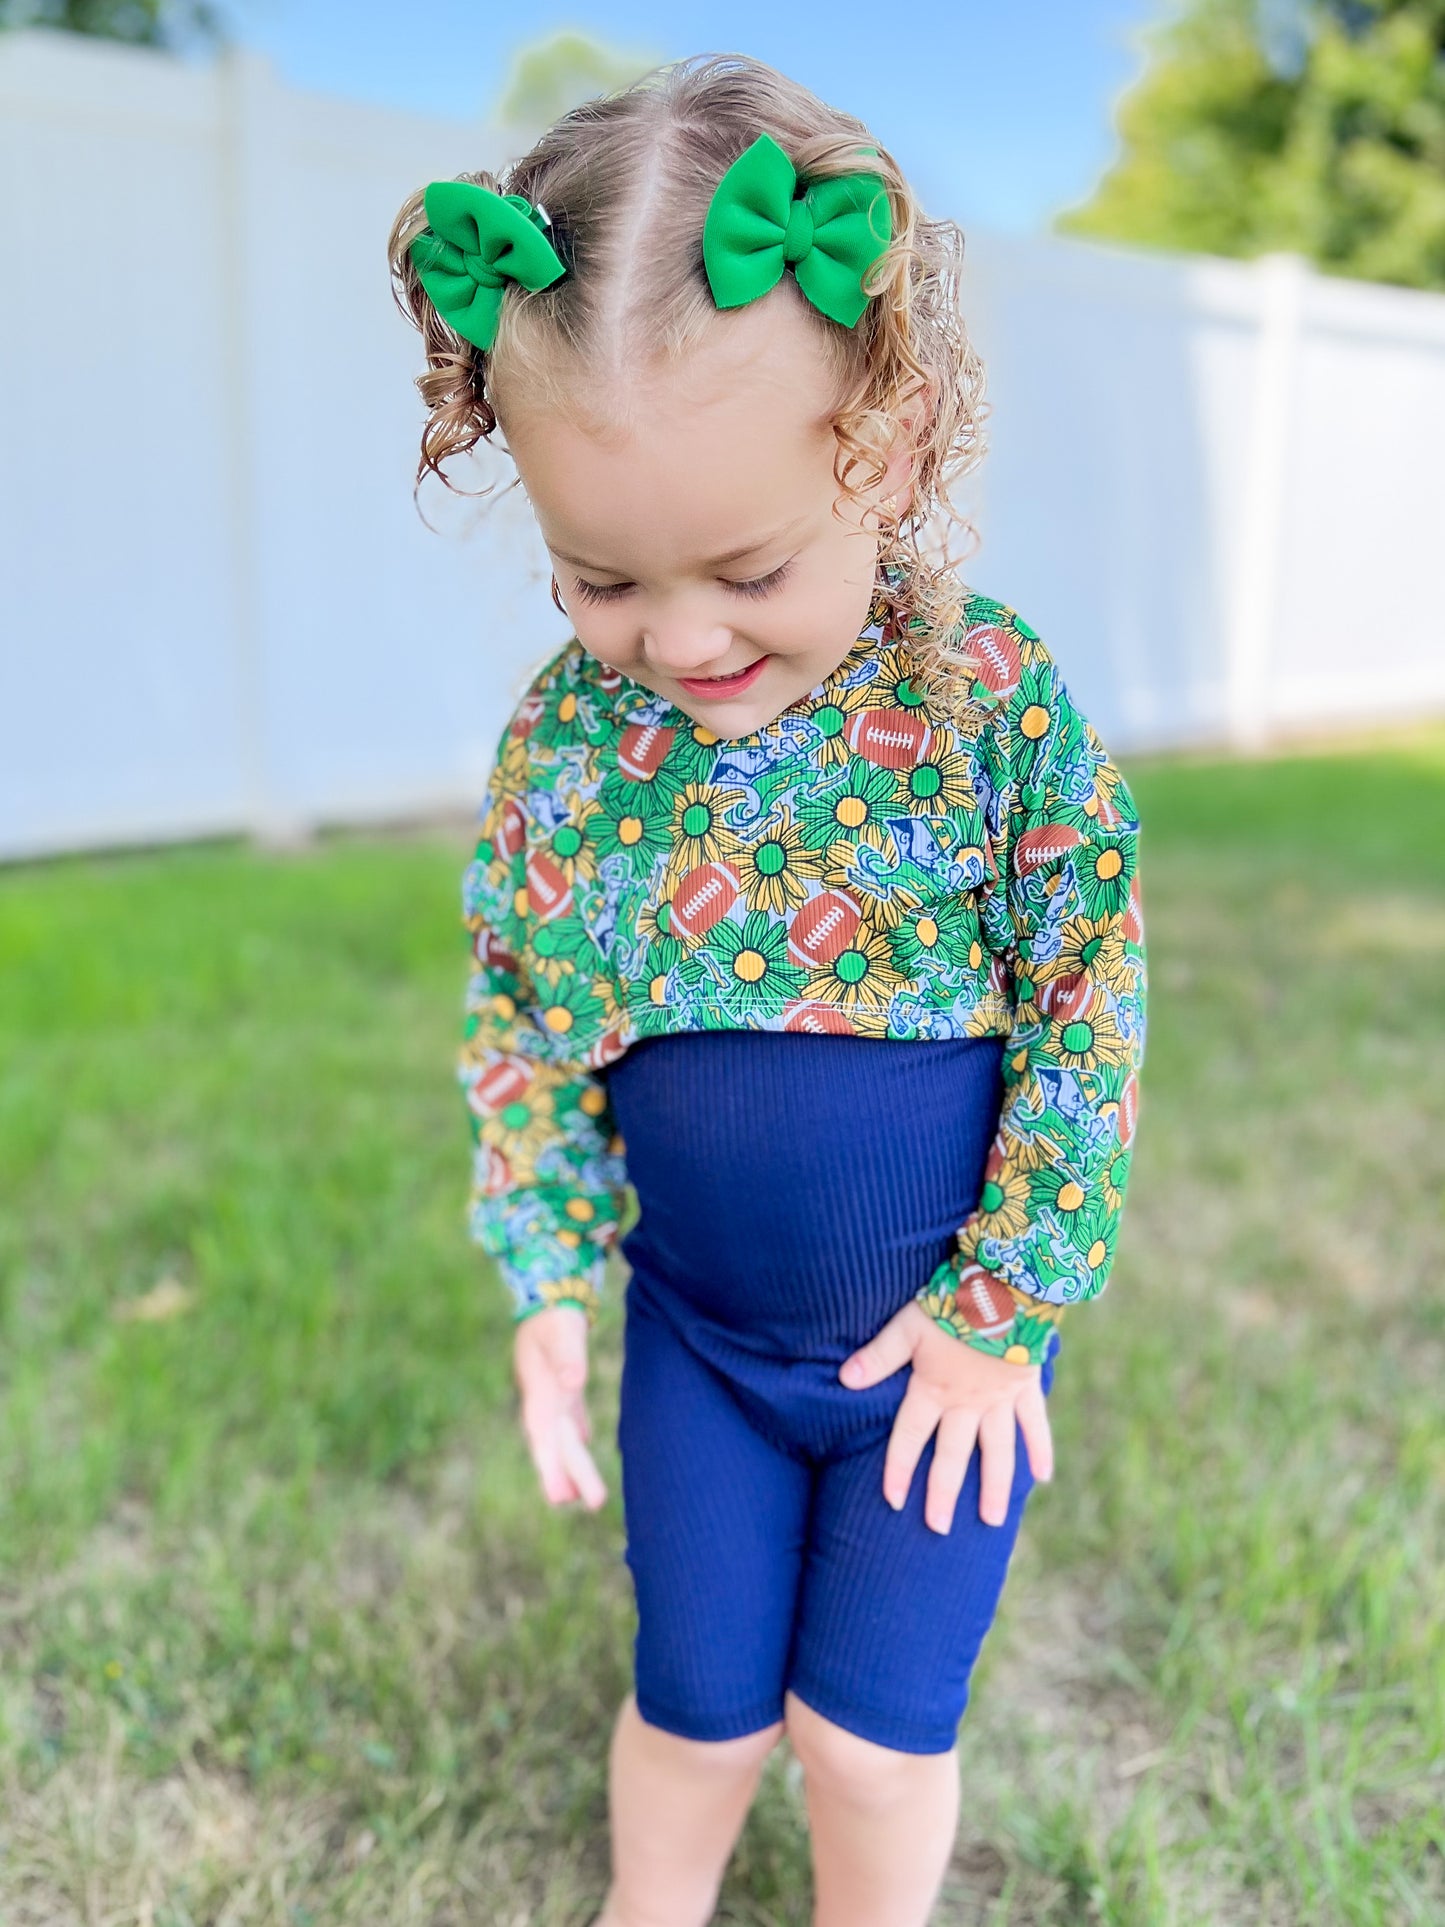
{"x":846,"y":1766}
{"x":741,"y":1754}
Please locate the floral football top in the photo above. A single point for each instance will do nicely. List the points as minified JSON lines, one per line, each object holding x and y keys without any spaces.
{"x":861,"y":864}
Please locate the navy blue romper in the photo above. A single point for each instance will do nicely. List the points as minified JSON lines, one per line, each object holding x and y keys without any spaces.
{"x":795,"y":1190}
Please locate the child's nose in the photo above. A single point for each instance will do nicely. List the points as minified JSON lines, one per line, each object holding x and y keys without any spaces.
{"x":686,"y":650}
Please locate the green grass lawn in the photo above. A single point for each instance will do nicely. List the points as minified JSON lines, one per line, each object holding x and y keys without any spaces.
{"x":287,"y":1634}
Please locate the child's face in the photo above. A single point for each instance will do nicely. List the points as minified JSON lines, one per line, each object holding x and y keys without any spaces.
{"x":730,"y":452}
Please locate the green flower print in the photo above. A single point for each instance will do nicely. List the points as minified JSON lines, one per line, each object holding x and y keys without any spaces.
{"x":568,"y":1009}
{"x":942,"y":935}
{"x":752,"y":964}
{"x":1103,"y":870}
{"x":854,"y":804}
{"x":632,"y":822}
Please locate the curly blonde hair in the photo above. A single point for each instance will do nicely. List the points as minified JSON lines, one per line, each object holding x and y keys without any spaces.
{"x":653,"y":152}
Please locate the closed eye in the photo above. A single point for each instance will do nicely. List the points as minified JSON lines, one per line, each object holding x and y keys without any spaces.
{"x":759,"y":585}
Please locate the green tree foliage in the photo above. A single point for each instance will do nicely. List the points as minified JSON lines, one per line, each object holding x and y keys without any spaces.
{"x":173,"y":24}
{"x":1317,"y":127}
{"x":547,"y":77}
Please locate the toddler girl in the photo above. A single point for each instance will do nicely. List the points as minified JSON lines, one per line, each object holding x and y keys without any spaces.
{"x":804,"y":903}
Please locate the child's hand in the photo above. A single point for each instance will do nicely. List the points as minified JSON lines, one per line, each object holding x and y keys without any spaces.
{"x":549,"y":1361}
{"x":966,"y":1394}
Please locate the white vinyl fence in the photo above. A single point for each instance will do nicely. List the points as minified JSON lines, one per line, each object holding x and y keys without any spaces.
{"x":1216,"y":489}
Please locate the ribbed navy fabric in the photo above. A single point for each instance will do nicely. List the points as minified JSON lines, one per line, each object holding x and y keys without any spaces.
{"x":795,"y":1190}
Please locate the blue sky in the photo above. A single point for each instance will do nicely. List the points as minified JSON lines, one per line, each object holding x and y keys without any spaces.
{"x":1000,"y":113}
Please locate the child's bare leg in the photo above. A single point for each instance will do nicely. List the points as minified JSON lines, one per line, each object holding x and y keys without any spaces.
{"x":677,"y":1808}
{"x":882,"y":1823}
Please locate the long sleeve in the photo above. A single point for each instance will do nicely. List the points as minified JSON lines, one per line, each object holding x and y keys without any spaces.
{"x":1064,"y":919}
{"x":548,"y":1173}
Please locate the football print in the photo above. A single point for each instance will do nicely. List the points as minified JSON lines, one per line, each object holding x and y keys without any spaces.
{"x":817,"y":1020}
{"x":500,"y":1084}
{"x":892,"y":738}
{"x":823,"y":928}
{"x":1128,"y":1111}
{"x":1045,"y":845}
{"x":1134,"y":915}
{"x":704,"y":896}
{"x":641,"y":748}
{"x":609,"y":1046}
{"x":984,"y":1303}
{"x":495,"y":1173}
{"x":490,"y":949}
{"x":548,"y":891}
{"x":1067,"y":997}
{"x":997,"y":651}
{"x":512,"y":830}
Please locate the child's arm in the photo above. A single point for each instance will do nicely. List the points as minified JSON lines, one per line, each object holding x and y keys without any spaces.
{"x":548,"y":1174}
{"x":1064,"y":918}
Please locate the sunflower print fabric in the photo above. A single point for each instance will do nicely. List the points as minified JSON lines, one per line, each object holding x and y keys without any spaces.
{"x":862,"y":864}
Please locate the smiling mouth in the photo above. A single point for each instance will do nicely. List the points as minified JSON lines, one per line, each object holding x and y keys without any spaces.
{"x":721,"y":685}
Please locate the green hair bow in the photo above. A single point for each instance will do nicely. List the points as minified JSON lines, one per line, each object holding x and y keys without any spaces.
{"x":475,"y":242}
{"x":830,"y":235}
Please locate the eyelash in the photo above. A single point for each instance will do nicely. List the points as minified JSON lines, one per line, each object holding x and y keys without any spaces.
{"x":760,"y":585}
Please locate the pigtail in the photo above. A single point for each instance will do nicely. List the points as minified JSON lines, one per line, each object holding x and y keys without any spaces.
{"x":454,"y":385}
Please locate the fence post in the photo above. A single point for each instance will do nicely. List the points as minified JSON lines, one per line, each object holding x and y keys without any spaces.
{"x":1255,"y":601}
{"x":246,"y":80}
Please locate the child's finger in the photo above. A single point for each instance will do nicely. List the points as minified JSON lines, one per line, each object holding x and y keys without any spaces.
{"x":582,"y":1417}
{"x":957,"y":1430}
{"x":1033,"y":1418}
{"x":913,"y":1425}
{"x":996,"y":1464}
{"x":557,"y":1483}
{"x":885,"y":1351}
{"x":578,"y":1461}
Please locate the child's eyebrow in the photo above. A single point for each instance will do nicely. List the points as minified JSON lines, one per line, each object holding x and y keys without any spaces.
{"x":733,"y":555}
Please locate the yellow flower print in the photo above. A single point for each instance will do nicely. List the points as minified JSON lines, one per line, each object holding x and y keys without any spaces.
{"x":609,"y":1002}
{"x":1091,"y":946}
{"x":514,"y":764}
{"x":770,"y":869}
{"x":862,"y":976}
{"x":1003,"y":1205}
{"x":521,"y":1131}
{"x":569,"y":844}
{"x":896,"y":684}
{"x":1092,"y":1038}
{"x":648,"y":925}
{"x":1031,"y":1151}
{"x":699,"y":833}
{"x":941,"y":781}
{"x":1106,"y":782}
{"x":864,"y":864}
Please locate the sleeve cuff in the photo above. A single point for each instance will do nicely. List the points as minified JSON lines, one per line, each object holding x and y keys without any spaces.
{"x":980,"y":1309}
{"x":547,"y":1270}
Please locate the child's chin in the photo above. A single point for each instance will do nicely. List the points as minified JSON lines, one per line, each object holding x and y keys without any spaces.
{"x":732,"y":719}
